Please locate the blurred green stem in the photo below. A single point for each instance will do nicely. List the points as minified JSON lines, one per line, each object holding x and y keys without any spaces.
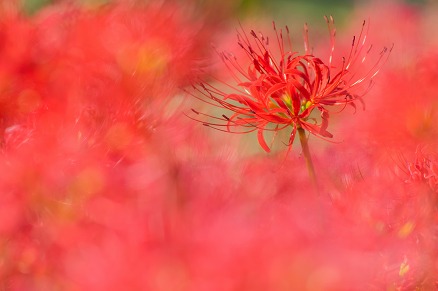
{"x":308,"y":157}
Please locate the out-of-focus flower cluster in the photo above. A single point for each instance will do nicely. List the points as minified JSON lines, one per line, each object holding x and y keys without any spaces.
{"x":105,"y":184}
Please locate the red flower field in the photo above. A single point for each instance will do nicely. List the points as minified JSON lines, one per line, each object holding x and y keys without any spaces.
{"x":152,"y":145}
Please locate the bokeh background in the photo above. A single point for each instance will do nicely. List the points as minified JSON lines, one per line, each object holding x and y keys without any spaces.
{"x":106,"y":184}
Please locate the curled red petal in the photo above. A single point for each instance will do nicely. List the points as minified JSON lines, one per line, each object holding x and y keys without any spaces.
{"x":262,"y":140}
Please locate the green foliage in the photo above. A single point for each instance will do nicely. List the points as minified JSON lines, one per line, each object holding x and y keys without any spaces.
{"x":32,"y":6}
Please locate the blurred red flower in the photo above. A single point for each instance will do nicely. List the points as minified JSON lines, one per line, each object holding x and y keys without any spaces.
{"x":424,"y":169}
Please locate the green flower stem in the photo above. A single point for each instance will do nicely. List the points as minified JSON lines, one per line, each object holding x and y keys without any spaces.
{"x":308,"y":157}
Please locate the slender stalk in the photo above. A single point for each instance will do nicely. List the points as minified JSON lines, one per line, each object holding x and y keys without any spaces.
{"x":308,"y":157}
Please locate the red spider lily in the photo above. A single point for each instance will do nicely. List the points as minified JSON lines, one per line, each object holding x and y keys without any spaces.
{"x":424,"y":168}
{"x":285,"y":91}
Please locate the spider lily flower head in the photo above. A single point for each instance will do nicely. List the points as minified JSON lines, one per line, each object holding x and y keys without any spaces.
{"x":288,"y":90}
{"x":424,"y":169}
